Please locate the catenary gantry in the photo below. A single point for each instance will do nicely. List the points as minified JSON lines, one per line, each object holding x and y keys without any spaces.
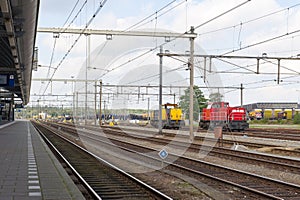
{"x":18,"y":25}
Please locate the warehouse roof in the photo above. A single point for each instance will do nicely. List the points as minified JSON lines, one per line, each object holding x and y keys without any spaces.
{"x":272,"y":105}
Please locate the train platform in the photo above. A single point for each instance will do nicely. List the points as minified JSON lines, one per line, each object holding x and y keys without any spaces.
{"x":28,"y":168}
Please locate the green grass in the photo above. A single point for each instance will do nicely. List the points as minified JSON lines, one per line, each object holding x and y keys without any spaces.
{"x":293,"y":126}
{"x":280,"y":123}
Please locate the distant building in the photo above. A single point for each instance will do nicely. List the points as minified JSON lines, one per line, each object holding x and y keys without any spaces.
{"x":272,"y":105}
{"x":273,"y":110}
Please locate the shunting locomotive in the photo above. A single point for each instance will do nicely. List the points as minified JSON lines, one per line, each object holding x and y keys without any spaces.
{"x":221,"y":114}
{"x":172,"y":116}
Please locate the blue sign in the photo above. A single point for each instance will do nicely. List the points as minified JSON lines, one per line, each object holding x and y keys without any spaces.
{"x":11,"y":81}
{"x":163,"y":154}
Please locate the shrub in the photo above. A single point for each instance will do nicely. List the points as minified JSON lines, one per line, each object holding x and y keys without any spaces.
{"x":264,"y":121}
{"x":296,"y":119}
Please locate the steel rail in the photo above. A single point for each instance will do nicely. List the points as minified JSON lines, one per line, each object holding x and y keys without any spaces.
{"x":197,"y":161}
{"x":286,"y":163}
{"x":139,"y":182}
{"x":57,"y":152}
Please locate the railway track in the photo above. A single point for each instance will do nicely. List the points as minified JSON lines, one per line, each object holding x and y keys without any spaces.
{"x":262,"y":186}
{"x":276,"y":130}
{"x":270,"y":133}
{"x":102,"y":180}
{"x":225,"y":142}
{"x":252,"y":186}
{"x":280,"y":134}
{"x":268,"y":161}
{"x":285,"y":164}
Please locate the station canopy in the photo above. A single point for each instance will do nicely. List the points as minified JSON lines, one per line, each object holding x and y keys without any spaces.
{"x":18,"y":25}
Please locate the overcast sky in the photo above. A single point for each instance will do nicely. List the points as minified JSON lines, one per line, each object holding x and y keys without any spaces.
{"x":233,"y":33}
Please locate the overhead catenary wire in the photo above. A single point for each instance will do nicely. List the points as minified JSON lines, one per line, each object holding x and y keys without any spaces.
{"x":233,"y":71}
{"x":135,"y":26}
{"x":156,"y":15}
{"x":265,"y":61}
{"x":264,"y":86}
{"x":162,"y":14}
{"x":268,"y":40}
{"x":249,"y":21}
{"x":261,"y":42}
{"x":102,"y":3}
{"x":141,"y":55}
{"x":261,"y":84}
{"x":138,"y":24}
{"x":164,"y":43}
{"x":154,"y":77}
{"x":271,"y":80}
{"x":55,"y":40}
{"x":56,"y":37}
{"x":222,"y":14}
{"x":145,"y":53}
{"x":73,"y":9}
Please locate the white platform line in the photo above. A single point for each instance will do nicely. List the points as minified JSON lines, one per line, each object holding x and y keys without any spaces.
{"x":33,"y":177}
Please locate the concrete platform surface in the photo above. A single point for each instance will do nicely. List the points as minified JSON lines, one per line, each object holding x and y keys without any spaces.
{"x":28,"y":169}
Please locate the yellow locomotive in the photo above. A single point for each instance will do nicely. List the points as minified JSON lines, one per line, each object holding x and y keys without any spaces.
{"x":172,"y":116}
